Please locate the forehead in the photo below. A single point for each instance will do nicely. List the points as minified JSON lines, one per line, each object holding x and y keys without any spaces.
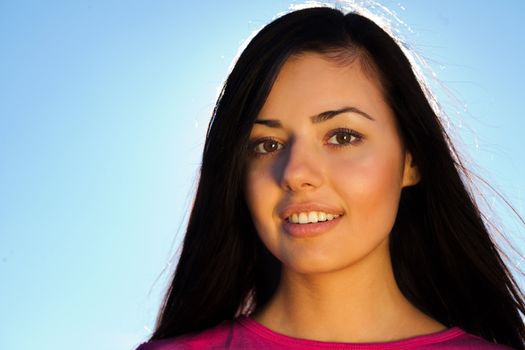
{"x":312,"y":83}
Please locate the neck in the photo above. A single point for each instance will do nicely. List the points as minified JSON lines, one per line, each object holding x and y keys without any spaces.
{"x":361,"y":303}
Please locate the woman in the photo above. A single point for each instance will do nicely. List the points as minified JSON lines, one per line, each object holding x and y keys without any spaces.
{"x":331,"y":209}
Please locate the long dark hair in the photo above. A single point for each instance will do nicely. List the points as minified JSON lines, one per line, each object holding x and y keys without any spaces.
{"x":444,"y":260}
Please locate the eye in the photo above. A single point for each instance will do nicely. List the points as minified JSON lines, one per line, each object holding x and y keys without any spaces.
{"x":266,"y":146}
{"x":343,"y":137}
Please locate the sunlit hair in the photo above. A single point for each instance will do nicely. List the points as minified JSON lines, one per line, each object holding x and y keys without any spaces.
{"x":444,"y":260}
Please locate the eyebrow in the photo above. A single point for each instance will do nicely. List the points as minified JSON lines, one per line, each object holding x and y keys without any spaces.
{"x":321,"y":117}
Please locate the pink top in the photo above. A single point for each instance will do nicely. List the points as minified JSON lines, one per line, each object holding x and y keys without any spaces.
{"x":246,"y":333}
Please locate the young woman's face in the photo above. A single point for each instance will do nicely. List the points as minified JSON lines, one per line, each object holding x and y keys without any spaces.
{"x":327,"y":167}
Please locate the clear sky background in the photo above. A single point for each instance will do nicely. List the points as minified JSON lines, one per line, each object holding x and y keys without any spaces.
{"x":103,"y":111}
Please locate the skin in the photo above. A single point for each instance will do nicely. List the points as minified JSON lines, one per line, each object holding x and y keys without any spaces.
{"x":339,"y":285}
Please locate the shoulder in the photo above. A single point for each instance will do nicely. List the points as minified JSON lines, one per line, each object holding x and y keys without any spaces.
{"x":215,"y":337}
{"x":469,"y":341}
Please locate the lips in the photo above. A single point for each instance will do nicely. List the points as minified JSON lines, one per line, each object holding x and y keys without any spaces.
{"x":312,"y":228}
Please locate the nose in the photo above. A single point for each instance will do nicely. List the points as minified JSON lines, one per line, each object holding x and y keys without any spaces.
{"x":302,"y":168}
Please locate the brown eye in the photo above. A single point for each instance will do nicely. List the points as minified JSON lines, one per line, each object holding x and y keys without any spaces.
{"x":343,"y":137}
{"x":267,"y":146}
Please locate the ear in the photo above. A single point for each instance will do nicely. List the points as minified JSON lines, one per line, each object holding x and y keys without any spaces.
{"x":411,"y":175}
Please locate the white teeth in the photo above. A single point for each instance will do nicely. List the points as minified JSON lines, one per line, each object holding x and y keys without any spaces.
{"x":311,"y":217}
{"x":303,"y":218}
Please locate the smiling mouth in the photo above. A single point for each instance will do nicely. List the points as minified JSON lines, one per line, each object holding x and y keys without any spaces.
{"x":311,"y":217}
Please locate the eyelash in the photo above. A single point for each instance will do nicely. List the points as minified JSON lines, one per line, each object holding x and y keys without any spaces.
{"x":350,"y":132}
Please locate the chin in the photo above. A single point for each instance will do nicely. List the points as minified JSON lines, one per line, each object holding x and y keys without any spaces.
{"x":309,"y":265}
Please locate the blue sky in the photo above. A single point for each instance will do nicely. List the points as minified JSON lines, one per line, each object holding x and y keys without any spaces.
{"x":103,"y":111}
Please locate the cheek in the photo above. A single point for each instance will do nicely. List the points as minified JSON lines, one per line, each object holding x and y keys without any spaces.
{"x":370,"y":186}
{"x":261,"y":196}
